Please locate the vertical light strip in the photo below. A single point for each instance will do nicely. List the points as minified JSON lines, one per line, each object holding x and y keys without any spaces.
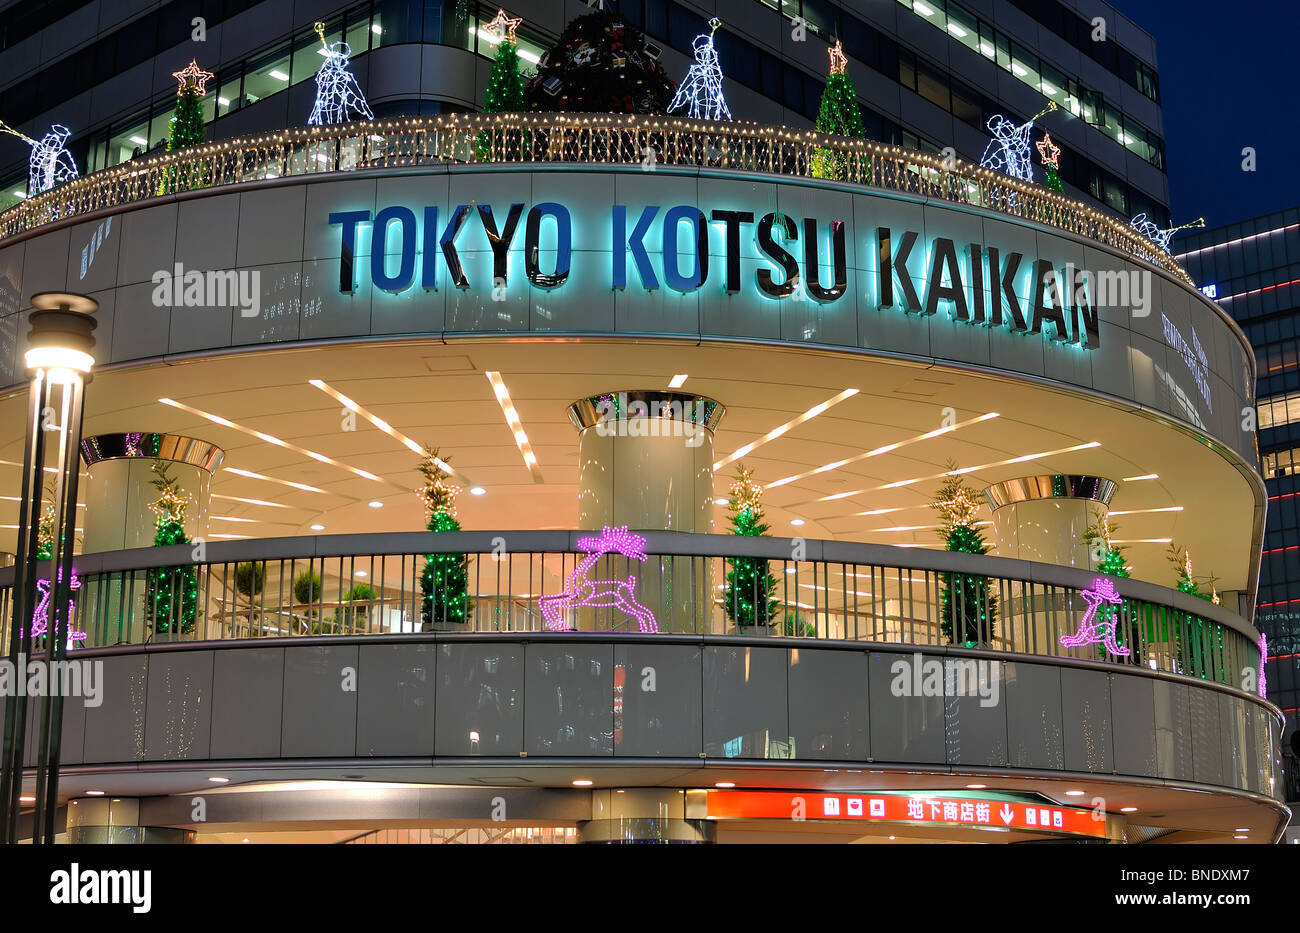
{"x":783,"y":429}
{"x":516,"y":426}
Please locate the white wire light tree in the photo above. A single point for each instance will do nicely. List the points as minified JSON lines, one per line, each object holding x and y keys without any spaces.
{"x":1008,"y":150}
{"x":701,"y":90}
{"x":50,"y":163}
{"x":1160,"y":236}
{"x":338,"y":95}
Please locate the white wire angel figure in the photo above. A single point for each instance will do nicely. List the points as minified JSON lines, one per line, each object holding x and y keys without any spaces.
{"x":1008,"y":150}
{"x":338,"y":95}
{"x":701,"y":90}
{"x":51,"y":164}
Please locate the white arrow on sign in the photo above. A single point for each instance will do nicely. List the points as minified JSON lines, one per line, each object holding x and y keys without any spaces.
{"x":1007,"y":813}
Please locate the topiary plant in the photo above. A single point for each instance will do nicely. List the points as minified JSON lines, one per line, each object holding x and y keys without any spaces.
{"x":250,"y":577}
{"x":307,"y":587}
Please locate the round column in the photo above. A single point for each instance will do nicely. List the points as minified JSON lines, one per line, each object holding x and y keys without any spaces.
{"x":645,"y":460}
{"x":116,"y":820}
{"x":1043,"y":518}
{"x":120,"y":491}
{"x":640,"y":815}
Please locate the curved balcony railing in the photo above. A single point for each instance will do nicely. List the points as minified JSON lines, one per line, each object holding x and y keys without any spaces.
{"x":518,"y":581}
{"x":646,"y":141}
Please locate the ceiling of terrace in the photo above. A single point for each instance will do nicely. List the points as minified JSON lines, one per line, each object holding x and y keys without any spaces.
{"x":439,"y":393}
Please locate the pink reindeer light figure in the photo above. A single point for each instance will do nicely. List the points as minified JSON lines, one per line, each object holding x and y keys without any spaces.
{"x":1092,"y":630}
{"x":41,"y":614}
{"x":581,"y":591}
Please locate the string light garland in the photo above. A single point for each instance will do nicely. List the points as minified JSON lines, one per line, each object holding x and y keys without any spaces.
{"x":338,"y":95}
{"x":1008,"y":150}
{"x":968,"y":605}
{"x":444,"y":581}
{"x":747,"y":596}
{"x":50,"y":163}
{"x":171,"y":593}
{"x":581,"y":591}
{"x":700,"y":93}
{"x":41,"y":614}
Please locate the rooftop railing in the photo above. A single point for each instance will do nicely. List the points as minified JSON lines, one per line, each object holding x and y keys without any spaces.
{"x":546,"y":581}
{"x":577,"y":139}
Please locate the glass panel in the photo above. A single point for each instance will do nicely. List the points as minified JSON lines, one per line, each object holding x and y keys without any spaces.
{"x":267,"y":75}
{"x":129,"y":140}
{"x":306,"y":52}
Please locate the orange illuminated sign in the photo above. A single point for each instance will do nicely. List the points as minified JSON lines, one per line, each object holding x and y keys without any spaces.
{"x":949,"y":811}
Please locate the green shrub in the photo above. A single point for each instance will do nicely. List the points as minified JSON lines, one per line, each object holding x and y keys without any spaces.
{"x":250,"y":577}
{"x":307,"y":587}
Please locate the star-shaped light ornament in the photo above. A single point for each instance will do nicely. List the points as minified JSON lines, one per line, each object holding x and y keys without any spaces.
{"x":1048,"y":152}
{"x":193,"y":76}
{"x":839,"y":61}
{"x":745,"y":493}
{"x":503,"y":27}
{"x":961,"y":510}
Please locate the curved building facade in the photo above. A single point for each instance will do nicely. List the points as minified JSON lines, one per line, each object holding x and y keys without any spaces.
{"x":597,"y":320}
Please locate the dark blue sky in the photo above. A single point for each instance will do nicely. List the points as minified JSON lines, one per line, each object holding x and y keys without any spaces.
{"x":1228,"y":78}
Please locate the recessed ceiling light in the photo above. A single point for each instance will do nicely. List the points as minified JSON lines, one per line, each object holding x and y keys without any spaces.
{"x":278,"y":74}
{"x":219,"y":780}
{"x":582,"y":782}
{"x":892,"y":838}
{"x":1134,"y":479}
{"x":791,"y":570}
{"x":1128,"y":809}
{"x":359,"y":573}
{"x":139,"y":142}
{"x":477,"y":491}
{"x":94,"y":793}
{"x":26,"y":799}
{"x":1240,"y":837}
{"x":245,"y":838}
{"x":976,"y":786}
{"x":375,"y":504}
{"x":796,"y":521}
{"x":1074,"y":793}
{"x":514,"y":423}
{"x":1243,"y":830}
{"x":782,"y":429}
{"x":725,"y":784}
{"x":721,"y":501}
{"x":318,"y":527}
{"x":677,"y":381}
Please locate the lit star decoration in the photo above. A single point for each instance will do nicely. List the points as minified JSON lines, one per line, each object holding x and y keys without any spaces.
{"x":1098,"y":627}
{"x":338,"y":95}
{"x":1008,"y":150}
{"x":41,"y":615}
{"x":701,"y":91}
{"x":503,"y":27}
{"x":1161,"y":236}
{"x":839,"y":61}
{"x":192,"y":76}
{"x":1048,"y":152}
{"x":581,"y":591}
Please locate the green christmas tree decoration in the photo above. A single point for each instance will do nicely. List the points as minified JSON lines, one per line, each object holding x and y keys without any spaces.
{"x":1110,"y":559}
{"x":1050,"y":154}
{"x":748,"y":594}
{"x":505,"y":86}
{"x":171,"y":593}
{"x":444,"y":582}
{"x":187,"y":126}
{"x":839,"y":115}
{"x":968,"y":604}
{"x":45,"y":534}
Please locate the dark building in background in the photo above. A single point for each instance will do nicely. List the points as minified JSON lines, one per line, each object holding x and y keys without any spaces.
{"x":929,"y":73}
{"x":1252,"y":269}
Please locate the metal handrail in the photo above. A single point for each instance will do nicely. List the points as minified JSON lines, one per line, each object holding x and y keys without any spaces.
{"x":628,"y":140}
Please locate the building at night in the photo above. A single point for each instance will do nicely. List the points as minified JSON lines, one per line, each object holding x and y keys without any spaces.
{"x":1252,"y":269}
{"x":787,"y":486}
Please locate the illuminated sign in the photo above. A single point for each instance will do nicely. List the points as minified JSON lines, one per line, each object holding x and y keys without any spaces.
{"x":682,"y":249}
{"x":1210,"y":291}
{"x":903,"y":808}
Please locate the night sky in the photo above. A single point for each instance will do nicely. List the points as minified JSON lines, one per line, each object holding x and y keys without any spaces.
{"x":1228,"y":79}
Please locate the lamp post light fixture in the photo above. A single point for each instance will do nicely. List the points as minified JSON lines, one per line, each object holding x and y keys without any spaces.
{"x":59,"y":364}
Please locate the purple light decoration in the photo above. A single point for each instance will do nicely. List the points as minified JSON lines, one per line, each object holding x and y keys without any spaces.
{"x":1263,"y":657}
{"x":582,"y":592}
{"x":1094,"y":631}
{"x":41,"y":615}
